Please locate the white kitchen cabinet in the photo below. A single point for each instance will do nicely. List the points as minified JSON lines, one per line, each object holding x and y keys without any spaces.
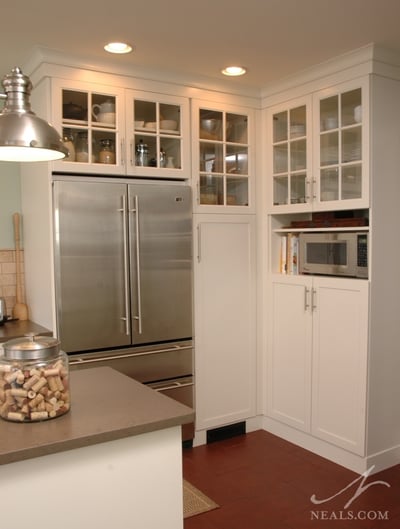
{"x":75,"y":112}
{"x":318,"y":150}
{"x":334,"y":389}
{"x":290,"y":351}
{"x":223,"y":158}
{"x":225,"y":319}
{"x":317,"y":357}
{"x":143,"y":134}
{"x":159,"y":124}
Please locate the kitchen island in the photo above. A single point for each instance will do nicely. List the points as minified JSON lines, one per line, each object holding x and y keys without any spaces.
{"x":114,"y":460}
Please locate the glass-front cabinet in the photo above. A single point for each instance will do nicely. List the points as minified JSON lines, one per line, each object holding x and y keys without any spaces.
{"x":221,"y":157}
{"x":158,"y":128}
{"x":120,"y":131}
{"x":339,"y":149}
{"x":318,"y":150}
{"x":290,"y":158}
{"x":92,"y":126}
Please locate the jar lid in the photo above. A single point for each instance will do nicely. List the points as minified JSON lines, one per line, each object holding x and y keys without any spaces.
{"x":31,"y":347}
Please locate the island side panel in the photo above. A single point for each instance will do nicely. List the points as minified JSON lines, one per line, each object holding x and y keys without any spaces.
{"x":127,"y":483}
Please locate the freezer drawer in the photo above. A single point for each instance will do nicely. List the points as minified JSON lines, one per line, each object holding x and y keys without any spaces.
{"x":145,"y":365}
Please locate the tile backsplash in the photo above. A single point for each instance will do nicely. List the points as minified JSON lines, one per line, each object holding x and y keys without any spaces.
{"x":8,"y":277}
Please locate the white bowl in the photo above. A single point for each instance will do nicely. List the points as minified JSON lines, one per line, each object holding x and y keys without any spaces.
{"x":151,"y":125}
{"x":168,"y":124}
{"x":139,"y":124}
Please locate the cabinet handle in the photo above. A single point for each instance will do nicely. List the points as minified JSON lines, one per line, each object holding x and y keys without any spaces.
{"x":131,"y":152}
{"x":306,"y":299}
{"x":122,"y":152}
{"x":198,"y":243}
{"x":314,"y":299}
{"x":308,"y":195}
{"x":198,"y":192}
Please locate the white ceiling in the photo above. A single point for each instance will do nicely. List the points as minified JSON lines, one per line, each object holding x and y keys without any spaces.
{"x":272,"y":38}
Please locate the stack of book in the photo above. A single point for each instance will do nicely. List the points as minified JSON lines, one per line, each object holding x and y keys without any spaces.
{"x":289,"y":254}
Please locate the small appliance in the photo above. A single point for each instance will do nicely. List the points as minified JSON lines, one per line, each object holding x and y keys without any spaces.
{"x":334,"y":254}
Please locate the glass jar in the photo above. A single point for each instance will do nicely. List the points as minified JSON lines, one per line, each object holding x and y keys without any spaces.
{"x":68,"y":140}
{"x":163,"y":158}
{"x":34,"y":379}
{"x":107,"y":151}
{"x":142,"y":152}
{"x":82,"y":147}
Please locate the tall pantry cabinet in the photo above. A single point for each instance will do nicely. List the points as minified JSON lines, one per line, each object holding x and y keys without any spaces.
{"x":224,"y":263}
{"x":331,"y":342}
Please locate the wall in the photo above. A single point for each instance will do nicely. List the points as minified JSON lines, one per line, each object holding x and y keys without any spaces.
{"x":10,"y":202}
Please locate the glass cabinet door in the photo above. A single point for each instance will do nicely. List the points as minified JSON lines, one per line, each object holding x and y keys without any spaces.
{"x":289,"y":156}
{"x":340,"y":141}
{"x":157,"y":135}
{"x":223,"y":158}
{"x":89,"y":126}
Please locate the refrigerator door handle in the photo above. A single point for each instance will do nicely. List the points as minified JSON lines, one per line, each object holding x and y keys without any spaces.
{"x":126,"y":271}
{"x":138,"y":317}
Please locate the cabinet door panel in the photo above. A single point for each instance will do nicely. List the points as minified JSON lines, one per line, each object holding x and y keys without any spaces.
{"x":225,"y":320}
{"x":289,"y":369}
{"x":340,"y":361}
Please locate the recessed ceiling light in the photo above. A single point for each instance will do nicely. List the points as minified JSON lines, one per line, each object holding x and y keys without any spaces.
{"x":118,"y":47}
{"x":234,"y":71}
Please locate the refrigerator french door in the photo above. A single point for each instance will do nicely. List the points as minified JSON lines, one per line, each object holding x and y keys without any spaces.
{"x":123,"y":263}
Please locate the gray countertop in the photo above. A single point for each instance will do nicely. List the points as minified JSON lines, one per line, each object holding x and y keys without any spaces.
{"x":105,"y":405}
{"x":15,"y":329}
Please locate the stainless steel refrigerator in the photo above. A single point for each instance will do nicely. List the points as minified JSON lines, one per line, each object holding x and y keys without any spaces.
{"x":123,"y":274}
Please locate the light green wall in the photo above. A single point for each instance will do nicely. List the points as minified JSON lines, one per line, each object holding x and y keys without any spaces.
{"x":10,"y":201}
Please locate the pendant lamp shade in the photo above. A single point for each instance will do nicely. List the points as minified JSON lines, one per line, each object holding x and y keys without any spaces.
{"x":24,"y":137}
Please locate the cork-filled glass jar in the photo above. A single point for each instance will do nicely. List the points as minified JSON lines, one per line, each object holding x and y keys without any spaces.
{"x":34,"y":379}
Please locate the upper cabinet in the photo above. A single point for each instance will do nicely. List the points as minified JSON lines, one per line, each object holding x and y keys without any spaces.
{"x":318,"y":150}
{"x":222,"y":157}
{"x":91,"y":120}
{"x":158,"y":134}
{"x":121,"y":131}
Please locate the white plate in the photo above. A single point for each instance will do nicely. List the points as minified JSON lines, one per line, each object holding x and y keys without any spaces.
{"x":103,"y":124}
{"x":144,"y":129}
{"x":167,"y":131}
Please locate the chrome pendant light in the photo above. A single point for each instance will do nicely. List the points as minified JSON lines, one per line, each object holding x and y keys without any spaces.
{"x":24,"y":137}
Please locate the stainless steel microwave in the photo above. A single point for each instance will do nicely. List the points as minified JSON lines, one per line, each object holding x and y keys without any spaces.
{"x":334,"y":254}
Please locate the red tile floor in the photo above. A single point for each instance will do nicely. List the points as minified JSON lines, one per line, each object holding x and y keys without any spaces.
{"x":263,"y":482}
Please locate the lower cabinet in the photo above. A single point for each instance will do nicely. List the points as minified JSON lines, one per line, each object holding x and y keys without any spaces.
{"x":225,"y":319}
{"x":317,"y":357}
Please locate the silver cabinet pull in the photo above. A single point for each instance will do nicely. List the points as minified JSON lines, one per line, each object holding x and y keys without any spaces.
{"x":306,"y":299}
{"x":308,"y":194}
{"x":314,"y":185}
{"x":126,"y":265}
{"x":138,"y":317}
{"x":314,"y":299}
{"x":122,"y":152}
{"x":198,"y":243}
